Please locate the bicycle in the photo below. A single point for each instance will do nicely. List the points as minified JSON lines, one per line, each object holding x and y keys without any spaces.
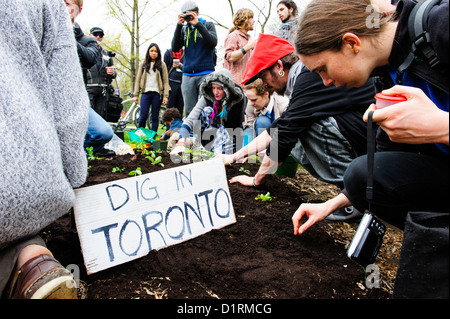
{"x":132,"y":115}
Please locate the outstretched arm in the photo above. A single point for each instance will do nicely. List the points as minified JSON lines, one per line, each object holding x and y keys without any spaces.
{"x":317,"y":212}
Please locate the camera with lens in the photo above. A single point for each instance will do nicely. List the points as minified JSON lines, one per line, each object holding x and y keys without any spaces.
{"x":188,"y":17}
{"x":367,"y":240}
{"x":111,"y":54}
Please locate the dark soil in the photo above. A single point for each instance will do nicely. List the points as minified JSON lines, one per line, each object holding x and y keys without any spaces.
{"x":258,"y":257}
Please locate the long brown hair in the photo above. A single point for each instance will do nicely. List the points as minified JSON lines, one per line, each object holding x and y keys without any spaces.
{"x":148,"y":59}
{"x":323,"y":23}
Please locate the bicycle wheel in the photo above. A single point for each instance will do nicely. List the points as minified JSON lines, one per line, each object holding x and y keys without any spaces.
{"x":161,"y":112}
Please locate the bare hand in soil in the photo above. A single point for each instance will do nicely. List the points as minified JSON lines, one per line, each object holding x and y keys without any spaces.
{"x":243,"y":179}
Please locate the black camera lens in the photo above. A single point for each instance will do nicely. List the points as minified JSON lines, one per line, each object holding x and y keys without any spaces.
{"x":188,"y":17}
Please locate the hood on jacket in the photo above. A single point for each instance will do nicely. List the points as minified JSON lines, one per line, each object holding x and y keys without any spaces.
{"x":234,"y":93}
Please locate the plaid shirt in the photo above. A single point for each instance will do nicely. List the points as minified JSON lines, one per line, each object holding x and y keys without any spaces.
{"x":234,"y":41}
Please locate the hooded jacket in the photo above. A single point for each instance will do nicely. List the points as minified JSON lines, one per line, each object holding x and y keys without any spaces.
{"x":199,"y":44}
{"x":236,"y":102}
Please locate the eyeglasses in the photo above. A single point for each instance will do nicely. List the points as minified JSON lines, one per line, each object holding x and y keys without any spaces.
{"x":98,"y":34}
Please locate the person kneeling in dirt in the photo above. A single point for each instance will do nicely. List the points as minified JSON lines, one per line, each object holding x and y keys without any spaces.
{"x":220,"y":109}
{"x":322,"y":128}
{"x":172,"y":118}
{"x":262,"y":110}
{"x":37,"y":179}
{"x":410,"y":186}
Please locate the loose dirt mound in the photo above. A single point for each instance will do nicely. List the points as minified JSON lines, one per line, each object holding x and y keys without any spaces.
{"x":257,"y":257}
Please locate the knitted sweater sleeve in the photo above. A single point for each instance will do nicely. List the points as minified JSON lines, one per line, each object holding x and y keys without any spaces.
{"x":71,"y":105}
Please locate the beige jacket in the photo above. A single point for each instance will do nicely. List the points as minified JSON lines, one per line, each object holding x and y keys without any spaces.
{"x":141,"y":81}
{"x":280,"y":103}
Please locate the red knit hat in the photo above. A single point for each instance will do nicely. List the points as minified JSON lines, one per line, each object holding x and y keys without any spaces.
{"x":269,"y":49}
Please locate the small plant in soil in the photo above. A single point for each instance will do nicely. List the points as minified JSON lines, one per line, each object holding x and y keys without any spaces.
{"x":154,"y":159}
{"x":118,"y":170}
{"x":200,"y":154}
{"x":246,"y":171}
{"x":136,"y":172}
{"x":264,"y":198}
{"x":142,"y":146}
{"x":91,"y":156}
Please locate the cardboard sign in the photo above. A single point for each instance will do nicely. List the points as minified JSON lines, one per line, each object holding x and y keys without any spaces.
{"x":124,"y":220}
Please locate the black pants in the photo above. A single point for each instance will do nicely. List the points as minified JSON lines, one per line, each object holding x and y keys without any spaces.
{"x":175,"y":97}
{"x":98,"y":100}
{"x":410,"y":192}
{"x":403,"y":182}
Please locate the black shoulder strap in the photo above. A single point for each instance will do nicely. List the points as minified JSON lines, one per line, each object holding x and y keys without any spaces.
{"x":420,"y":38}
{"x":371,"y":133}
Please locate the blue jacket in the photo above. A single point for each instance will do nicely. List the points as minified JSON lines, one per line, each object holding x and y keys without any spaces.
{"x":199,"y":44}
{"x":174,"y":126}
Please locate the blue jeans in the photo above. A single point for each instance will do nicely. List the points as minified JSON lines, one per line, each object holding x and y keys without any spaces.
{"x":190,"y":88}
{"x":324,"y":152}
{"x":99,"y":132}
{"x":260,"y":125}
{"x":147,"y":99}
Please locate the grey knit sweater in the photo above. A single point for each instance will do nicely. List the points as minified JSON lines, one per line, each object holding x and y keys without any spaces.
{"x":43,"y":117}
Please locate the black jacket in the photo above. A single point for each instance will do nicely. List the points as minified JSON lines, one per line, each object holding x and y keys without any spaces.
{"x":312,"y":101}
{"x":87,"y":50}
{"x":438,"y":31}
{"x":97,"y":75}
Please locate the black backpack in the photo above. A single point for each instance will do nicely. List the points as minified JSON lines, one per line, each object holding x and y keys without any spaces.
{"x":421,"y":49}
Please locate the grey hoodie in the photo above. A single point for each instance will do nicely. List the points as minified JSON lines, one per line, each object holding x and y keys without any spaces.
{"x":236,"y":101}
{"x":43,"y":118}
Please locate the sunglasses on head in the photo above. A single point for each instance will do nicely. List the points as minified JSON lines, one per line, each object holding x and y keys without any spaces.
{"x":98,"y":34}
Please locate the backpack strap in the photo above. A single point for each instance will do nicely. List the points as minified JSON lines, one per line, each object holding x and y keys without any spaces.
{"x":420,"y":38}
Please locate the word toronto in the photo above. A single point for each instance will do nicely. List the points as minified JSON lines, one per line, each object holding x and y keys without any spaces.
{"x":238,"y":308}
{"x":210,"y":203}
{"x":123,"y":220}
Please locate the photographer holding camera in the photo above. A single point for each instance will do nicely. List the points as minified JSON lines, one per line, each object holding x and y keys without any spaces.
{"x":100,"y":76}
{"x":199,"y":39}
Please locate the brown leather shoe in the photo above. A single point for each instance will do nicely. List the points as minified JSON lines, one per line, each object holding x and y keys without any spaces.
{"x":43,"y":277}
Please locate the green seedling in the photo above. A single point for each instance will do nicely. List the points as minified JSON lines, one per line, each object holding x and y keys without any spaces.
{"x":137,"y":172}
{"x":200,"y":155}
{"x":264,"y":198}
{"x":155,"y":160}
{"x":118,"y":170}
{"x":91,"y":156}
{"x":246,"y":171}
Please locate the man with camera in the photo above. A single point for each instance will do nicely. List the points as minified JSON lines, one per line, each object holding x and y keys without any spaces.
{"x":199,"y":39}
{"x":100,"y":76}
